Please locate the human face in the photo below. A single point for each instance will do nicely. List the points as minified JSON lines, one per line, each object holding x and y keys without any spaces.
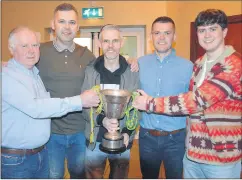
{"x":211,"y":37}
{"x":163,"y":35}
{"x":65,"y":26}
{"x":110,"y":43}
{"x":25,"y":49}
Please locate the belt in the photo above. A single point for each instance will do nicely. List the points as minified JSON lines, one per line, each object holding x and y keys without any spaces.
{"x":21,"y":151}
{"x":154,"y":132}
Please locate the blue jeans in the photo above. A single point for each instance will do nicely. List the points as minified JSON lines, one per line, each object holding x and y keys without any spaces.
{"x":96,"y":163}
{"x":155,"y":149}
{"x":194,"y":170}
{"x":25,"y":166}
{"x":72,"y":147}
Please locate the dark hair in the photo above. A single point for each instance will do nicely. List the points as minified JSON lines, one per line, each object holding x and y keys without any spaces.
{"x":210,"y":17}
{"x":163,"y":19}
{"x":65,"y":7}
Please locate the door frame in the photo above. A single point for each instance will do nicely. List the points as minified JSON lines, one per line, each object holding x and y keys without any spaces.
{"x":126,"y":30}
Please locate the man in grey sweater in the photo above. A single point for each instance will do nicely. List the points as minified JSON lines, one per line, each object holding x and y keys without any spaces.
{"x":109,"y":71}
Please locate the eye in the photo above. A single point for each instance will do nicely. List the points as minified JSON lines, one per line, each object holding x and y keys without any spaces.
{"x":61,"y":21}
{"x":200,"y":30}
{"x":167,"y":32}
{"x":105,"y":41}
{"x":213,"y":29}
{"x":35,"y":45}
{"x":116,"y":41}
{"x":156,"y":33}
{"x":24,"y":45}
{"x":73,"y":22}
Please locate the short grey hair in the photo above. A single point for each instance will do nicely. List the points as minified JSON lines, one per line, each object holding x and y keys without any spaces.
{"x":109,"y":27}
{"x":13,"y":32}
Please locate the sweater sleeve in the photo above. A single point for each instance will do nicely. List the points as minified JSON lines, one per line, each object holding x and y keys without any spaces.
{"x":224,"y":82}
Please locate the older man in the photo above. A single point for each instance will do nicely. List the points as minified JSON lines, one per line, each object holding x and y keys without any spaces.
{"x":26,"y":109}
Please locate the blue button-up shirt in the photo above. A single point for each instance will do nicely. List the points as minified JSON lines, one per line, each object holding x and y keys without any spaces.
{"x":170,"y":76}
{"x":27,"y":107}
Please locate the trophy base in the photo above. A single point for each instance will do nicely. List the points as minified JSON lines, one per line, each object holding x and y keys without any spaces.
{"x":112,"y":151}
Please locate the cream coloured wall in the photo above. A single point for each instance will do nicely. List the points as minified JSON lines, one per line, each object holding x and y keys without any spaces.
{"x":38,"y":14}
{"x":185,"y":12}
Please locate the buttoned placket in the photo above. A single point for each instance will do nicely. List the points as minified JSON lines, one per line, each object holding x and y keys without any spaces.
{"x":66,"y":56}
{"x":161,"y":65}
{"x":65,"y":51}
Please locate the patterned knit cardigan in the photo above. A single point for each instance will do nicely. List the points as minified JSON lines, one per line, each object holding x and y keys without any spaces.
{"x":215,"y":122}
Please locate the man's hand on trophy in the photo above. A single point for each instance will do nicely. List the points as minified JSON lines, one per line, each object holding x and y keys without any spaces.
{"x":89,"y":98}
{"x":126,"y":139}
{"x":110,"y":124}
{"x":141,"y":101}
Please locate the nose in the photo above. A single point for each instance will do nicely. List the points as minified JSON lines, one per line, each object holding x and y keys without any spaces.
{"x":161,"y":35}
{"x":207,"y":34}
{"x":110,"y":44}
{"x":67,"y":25}
{"x":30,"y":49}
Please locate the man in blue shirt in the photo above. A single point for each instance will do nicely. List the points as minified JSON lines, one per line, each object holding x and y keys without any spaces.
{"x":161,"y":137}
{"x":26,"y":109}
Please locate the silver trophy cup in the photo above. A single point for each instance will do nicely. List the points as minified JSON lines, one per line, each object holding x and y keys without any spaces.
{"x":114,"y":104}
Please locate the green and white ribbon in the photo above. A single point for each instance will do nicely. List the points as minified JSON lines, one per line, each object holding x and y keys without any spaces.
{"x":98,"y":111}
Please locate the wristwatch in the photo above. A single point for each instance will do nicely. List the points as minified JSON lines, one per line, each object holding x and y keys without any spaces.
{"x":150,"y":106}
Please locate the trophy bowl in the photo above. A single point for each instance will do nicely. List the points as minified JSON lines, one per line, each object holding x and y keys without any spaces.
{"x":114,"y":105}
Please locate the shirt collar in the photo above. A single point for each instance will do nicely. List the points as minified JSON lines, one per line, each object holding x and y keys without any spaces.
{"x":227,"y":52}
{"x":34,"y":71}
{"x":60,"y":49}
{"x":168,"y":57}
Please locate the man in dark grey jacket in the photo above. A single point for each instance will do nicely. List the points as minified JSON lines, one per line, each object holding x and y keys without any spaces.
{"x":110,"y":71}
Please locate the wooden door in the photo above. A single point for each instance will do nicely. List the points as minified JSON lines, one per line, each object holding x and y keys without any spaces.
{"x":234,"y":37}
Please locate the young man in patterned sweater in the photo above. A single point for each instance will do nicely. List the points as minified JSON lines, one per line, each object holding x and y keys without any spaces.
{"x":213,"y":103}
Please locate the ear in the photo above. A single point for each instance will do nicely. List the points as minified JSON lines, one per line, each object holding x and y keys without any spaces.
{"x":78,"y":27}
{"x":52,"y":24}
{"x":225,"y":31}
{"x":122,"y":42}
{"x":99,"y":43}
{"x":151,"y":38}
{"x":11,"y":48}
{"x":174,"y":38}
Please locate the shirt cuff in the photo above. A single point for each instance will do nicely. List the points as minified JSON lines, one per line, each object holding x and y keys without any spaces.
{"x":75,"y":103}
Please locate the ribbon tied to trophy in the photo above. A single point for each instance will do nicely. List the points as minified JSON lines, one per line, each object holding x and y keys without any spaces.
{"x":114,"y":104}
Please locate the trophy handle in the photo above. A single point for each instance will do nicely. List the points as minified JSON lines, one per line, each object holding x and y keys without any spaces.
{"x":131,"y":123}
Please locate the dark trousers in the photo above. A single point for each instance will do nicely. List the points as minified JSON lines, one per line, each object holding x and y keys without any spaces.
{"x":155,"y":149}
